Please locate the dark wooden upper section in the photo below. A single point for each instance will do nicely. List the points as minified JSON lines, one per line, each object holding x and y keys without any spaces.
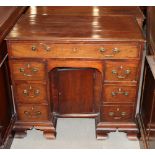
{"x":151,"y":28}
{"x":87,"y":10}
{"x":75,"y":28}
{"x":8,"y":17}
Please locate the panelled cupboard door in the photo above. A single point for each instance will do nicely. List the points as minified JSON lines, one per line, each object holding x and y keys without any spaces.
{"x":75,"y":90}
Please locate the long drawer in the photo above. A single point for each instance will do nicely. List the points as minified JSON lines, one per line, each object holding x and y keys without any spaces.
{"x":94,"y":51}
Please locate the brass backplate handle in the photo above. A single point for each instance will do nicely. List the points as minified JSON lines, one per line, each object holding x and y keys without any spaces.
{"x":28,"y":67}
{"x":32,"y":114}
{"x":115,"y":50}
{"x":46,"y":47}
{"x":126,"y":73}
{"x":33,"y":48}
{"x":28,"y":92}
{"x":102,"y":49}
{"x":119,"y":92}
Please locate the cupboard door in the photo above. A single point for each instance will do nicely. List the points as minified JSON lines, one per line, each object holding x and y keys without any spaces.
{"x":75,"y":89}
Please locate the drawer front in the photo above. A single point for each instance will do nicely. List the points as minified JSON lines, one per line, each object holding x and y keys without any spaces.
{"x":117,"y":113}
{"x":31,"y":93}
{"x":121,"y":94}
{"x":32,"y":113}
{"x":96,"y":51}
{"x":22,"y":70}
{"x":121,"y":71}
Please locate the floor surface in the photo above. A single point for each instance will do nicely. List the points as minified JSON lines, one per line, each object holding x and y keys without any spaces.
{"x":74,"y":134}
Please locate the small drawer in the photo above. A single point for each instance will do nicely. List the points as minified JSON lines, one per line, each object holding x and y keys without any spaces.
{"x":22,"y":70}
{"x":121,"y":71}
{"x":119,"y":93}
{"x":32,"y":113}
{"x":117,"y":113}
{"x":93,"y":51}
{"x":31,"y":93}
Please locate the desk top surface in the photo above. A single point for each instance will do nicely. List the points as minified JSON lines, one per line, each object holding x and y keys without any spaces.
{"x":87,"y":10}
{"x":76,"y":28}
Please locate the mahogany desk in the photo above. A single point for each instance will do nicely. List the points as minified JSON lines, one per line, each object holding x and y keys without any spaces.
{"x":75,"y":67}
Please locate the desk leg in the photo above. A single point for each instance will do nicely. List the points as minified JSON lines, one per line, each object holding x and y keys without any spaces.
{"x":21,"y":128}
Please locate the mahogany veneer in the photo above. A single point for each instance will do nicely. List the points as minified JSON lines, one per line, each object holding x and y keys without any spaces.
{"x":134,"y":11}
{"x":60,"y":68}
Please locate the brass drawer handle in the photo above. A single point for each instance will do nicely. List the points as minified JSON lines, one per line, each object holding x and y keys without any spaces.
{"x":27,"y":113}
{"x":102,"y":50}
{"x":31,"y":70}
{"x":120,"y":92}
{"x":33,"y":48}
{"x":37,"y":113}
{"x":28,"y":92}
{"x":123,"y":113}
{"x":120,"y":69}
{"x":114,"y":51}
{"x":111,"y":113}
{"x":126,"y":72}
{"x":32,"y":114}
{"x":46,"y":47}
